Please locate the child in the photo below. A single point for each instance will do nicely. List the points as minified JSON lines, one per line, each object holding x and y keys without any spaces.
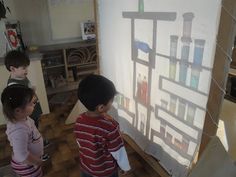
{"x":18,"y":103}
{"x":100,"y":143}
{"x":17,"y":64}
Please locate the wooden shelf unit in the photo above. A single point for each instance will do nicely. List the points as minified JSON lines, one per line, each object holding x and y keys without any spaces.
{"x":64,"y":64}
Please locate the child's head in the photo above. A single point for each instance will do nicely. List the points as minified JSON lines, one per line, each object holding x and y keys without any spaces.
{"x":96,"y":90}
{"x":17,"y":63}
{"x":17,"y":100}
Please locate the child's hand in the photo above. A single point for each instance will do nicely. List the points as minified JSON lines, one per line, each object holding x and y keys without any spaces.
{"x":123,"y":173}
{"x":38,"y":163}
{"x":33,"y":160}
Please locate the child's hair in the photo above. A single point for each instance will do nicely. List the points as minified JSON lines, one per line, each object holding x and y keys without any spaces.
{"x":16,"y":59}
{"x":15,"y":96}
{"x":95,"y":90}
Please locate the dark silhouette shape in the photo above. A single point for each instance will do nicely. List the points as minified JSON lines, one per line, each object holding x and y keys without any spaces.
{"x":3,"y":10}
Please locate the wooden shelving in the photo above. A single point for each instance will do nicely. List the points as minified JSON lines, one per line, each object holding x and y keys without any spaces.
{"x":49,"y":67}
{"x":64,"y":64}
{"x":69,"y":86}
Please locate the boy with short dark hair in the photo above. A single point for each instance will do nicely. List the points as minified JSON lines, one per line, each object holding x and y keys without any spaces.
{"x":17,"y":64}
{"x":101,"y":146}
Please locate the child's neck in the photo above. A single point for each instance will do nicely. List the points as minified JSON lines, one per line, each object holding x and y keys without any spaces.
{"x":93,"y":113}
{"x":19,"y":118}
{"x":13,"y":76}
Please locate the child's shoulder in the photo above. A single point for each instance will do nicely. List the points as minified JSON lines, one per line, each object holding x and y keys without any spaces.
{"x":107,"y":117}
{"x":22,"y":81}
{"x":110,"y":120}
{"x":17,"y":125}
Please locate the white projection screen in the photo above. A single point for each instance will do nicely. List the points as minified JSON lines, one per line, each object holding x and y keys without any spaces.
{"x":160,"y":54}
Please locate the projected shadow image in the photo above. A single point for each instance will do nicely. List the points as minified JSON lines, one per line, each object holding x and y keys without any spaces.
{"x":171,"y":129}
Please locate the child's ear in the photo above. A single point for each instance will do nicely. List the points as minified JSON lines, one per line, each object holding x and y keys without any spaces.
{"x":17,"y":110}
{"x":100,"y":108}
{"x":12,"y":68}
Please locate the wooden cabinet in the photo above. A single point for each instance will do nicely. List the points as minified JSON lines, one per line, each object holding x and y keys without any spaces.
{"x":64,"y":64}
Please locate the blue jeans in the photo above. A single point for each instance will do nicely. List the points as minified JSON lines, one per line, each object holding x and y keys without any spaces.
{"x":84,"y":174}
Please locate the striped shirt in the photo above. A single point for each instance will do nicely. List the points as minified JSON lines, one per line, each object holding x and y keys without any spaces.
{"x":97,"y":138}
{"x":25,"y":170}
{"x":25,"y":139}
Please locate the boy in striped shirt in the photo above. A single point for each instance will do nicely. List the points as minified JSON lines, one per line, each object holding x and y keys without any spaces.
{"x":101,"y":146}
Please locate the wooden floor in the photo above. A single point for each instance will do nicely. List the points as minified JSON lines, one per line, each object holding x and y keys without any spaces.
{"x":64,"y":161}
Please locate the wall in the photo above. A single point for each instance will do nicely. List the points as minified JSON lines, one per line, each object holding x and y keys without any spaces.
{"x":11,"y":5}
{"x":66,"y":16}
{"x":3,"y":42}
{"x":35,"y":20}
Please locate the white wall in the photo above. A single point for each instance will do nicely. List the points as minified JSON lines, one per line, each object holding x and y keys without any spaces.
{"x":66,"y":16}
{"x":11,"y":5}
{"x":35,"y":21}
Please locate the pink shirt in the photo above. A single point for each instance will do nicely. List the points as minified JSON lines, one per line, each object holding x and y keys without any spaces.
{"x":24,"y":138}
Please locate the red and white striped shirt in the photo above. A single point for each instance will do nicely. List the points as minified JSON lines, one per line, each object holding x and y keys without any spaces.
{"x":98,"y":139}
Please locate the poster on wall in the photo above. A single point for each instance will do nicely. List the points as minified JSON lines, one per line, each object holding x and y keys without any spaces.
{"x":88,"y":30}
{"x":12,"y":39}
{"x":160,"y":54}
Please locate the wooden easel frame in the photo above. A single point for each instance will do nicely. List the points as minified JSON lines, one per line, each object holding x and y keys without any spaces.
{"x":220,"y":70}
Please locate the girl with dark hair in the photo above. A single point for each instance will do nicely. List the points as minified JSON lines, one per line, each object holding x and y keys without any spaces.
{"x":18,"y":103}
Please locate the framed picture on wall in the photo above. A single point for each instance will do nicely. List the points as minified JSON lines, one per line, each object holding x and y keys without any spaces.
{"x":12,"y":33}
{"x":12,"y":38}
{"x":88,"y":30}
